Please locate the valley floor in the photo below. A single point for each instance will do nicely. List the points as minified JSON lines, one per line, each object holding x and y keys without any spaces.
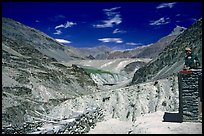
{"x":151,"y":123}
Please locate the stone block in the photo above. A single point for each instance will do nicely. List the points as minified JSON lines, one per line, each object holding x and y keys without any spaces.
{"x":189,"y":93}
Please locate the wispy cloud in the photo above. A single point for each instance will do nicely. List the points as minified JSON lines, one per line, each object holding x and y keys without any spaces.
{"x":118,"y":31}
{"x":66,"y":25}
{"x":110,"y":23}
{"x":133,"y":44}
{"x":62,"y":41}
{"x":58,"y":32}
{"x":111,"y":9}
{"x":107,"y":40}
{"x":177,"y":15}
{"x":59,"y":26}
{"x":161,"y":21}
{"x":57,"y":18}
{"x":166,"y":5}
{"x":37,"y":21}
{"x":193,"y":19}
{"x":113,"y":18}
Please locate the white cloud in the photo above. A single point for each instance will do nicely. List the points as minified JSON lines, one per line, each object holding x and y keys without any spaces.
{"x":165,"y":5}
{"x":59,"y":26}
{"x":37,"y":21}
{"x":62,"y":41}
{"x":66,"y":25}
{"x":111,"y":12}
{"x":107,"y":40}
{"x":118,"y":31}
{"x":58,"y":32}
{"x":113,"y":18}
{"x":161,"y":21}
{"x":110,"y":23}
{"x":69,"y":24}
{"x":132,"y":43}
{"x":111,"y":9}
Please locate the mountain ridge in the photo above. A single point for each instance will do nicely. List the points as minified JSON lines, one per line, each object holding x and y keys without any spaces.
{"x":42,"y":42}
{"x":171,"y":60}
{"x":150,"y":50}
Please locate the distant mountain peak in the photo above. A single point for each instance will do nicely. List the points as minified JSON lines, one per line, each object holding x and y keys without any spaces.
{"x":178,"y":30}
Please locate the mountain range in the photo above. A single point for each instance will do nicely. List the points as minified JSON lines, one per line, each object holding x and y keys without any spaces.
{"x":44,"y":80}
{"x":145,"y":51}
{"x":148,"y":51}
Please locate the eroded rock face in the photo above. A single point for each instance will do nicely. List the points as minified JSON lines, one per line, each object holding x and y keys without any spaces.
{"x":127,"y":103}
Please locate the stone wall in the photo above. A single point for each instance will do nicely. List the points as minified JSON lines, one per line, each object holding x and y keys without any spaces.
{"x":189,"y":94}
{"x":78,"y":123}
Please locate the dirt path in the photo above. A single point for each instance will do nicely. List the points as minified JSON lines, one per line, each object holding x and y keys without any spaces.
{"x":147,"y":124}
{"x":112,"y":126}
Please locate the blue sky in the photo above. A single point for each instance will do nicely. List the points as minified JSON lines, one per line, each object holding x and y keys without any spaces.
{"x":120,"y":25}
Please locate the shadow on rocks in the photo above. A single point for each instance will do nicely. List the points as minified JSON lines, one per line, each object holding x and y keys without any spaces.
{"x":172,"y":117}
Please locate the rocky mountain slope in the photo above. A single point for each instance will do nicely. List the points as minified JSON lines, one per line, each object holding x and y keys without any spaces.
{"x":33,"y":79}
{"x":151,"y":50}
{"x":21,"y":34}
{"x":171,"y":60}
